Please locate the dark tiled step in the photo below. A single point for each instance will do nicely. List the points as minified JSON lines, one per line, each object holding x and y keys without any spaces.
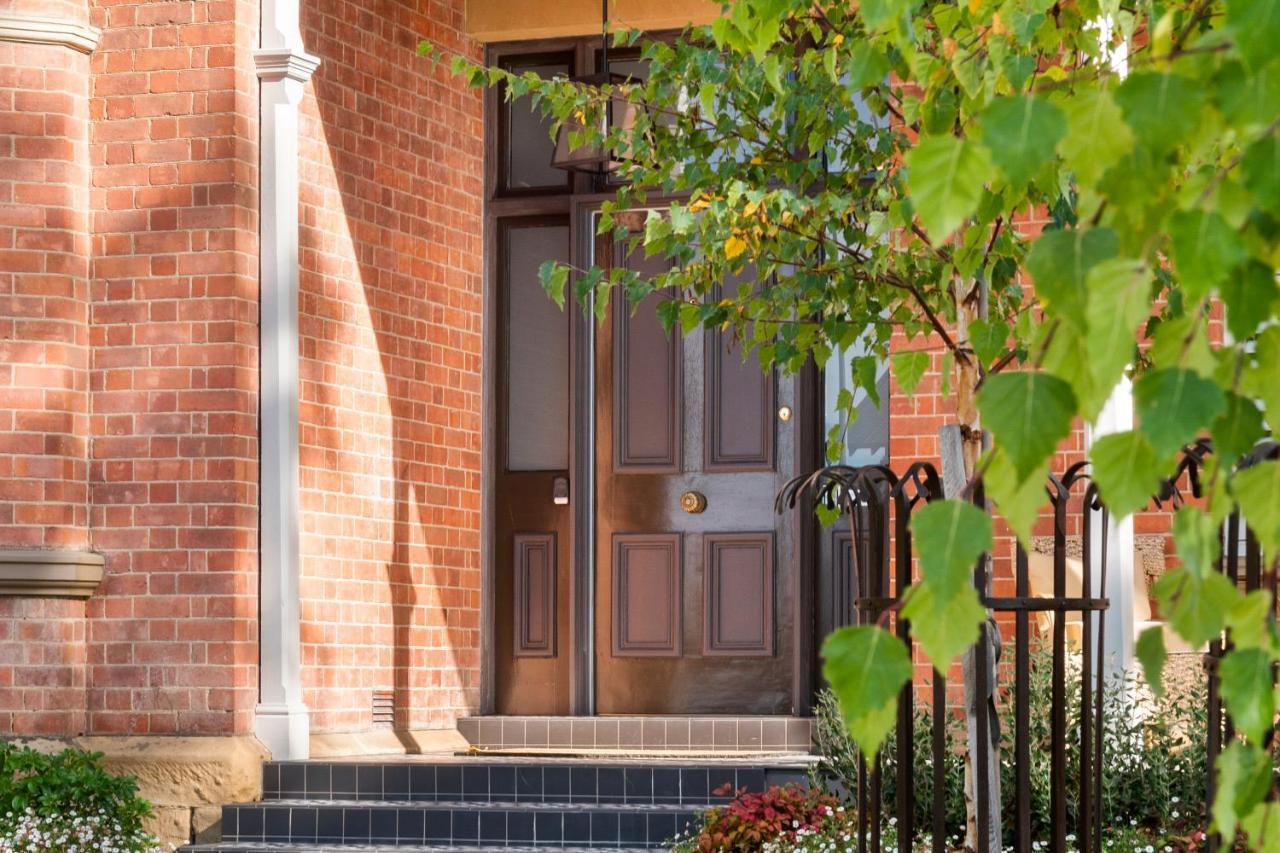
{"x":673,"y":783}
{"x":497,"y":824}
{"x":270,"y":847}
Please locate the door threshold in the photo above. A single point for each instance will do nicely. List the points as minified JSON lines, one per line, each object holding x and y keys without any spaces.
{"x":771,"y":757}
{"x":641,"y":734}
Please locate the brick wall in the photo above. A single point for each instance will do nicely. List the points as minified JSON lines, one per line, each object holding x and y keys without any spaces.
{"x":44,"y":292}
{"x":390,"y":324}
{"x":173,"y":636}
{"x":42,"y":667}
{"x":44,"y":366}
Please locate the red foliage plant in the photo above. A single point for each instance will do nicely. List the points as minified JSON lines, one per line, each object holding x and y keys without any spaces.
{"x":750,"y":820}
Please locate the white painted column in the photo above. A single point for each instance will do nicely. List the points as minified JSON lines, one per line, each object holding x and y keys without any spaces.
{"x":281,"y":718}
{"x":1116,"y":416}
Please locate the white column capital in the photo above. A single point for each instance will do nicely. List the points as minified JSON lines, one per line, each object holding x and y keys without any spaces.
{"x":42,"y":29}
{"x":285,"y":63}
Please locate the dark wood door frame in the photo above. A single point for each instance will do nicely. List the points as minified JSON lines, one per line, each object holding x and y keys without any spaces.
{"x":580,"y":205}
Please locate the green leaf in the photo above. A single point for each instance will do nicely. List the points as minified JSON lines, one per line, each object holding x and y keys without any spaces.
{"x":1257,"y":489}
{"x":1119,"y":299}
{"x":1019,"y":499}
{"x":1173,"y":405}
{"x":945,"y":176}
{"x":1195,"y":605}
{"x":1245,"y":679}
{"x":1205,"y":249}
{"x":1151,"y":654}
{"x":1237,"y":429}
{"x":681,"y":218}
{"x":1161,"y":109}
{"x":1254,"y":26}
{"x":1126,"y":470}
{"x":1251,"y":295}
{"x":1247,"y":101}
{"x":867,"y":369}
{"x":1262,"y":827}
{"x":908,"y":368}
{"x":1068,"y":356}
{"x":1059,"y":263}
{"x":1260,"y":167}
{"x":866,"y":66}
{"x":1182,"y":342}
{"x":988,"y":337}
{"x":877,"y":13}
{"x":1261,"y":380}
{"x":553,"y":276}
{"x":944,"y":625}
{"x":1021,"y":133}
{"x":1249,"y":620}
{"x":867,"y":668}
{"x":950,"y":535}
{"x":1244,"y":777}
{"x":1196,"y":536}
{"x":1097,"y":137}
{"x":1028,"y":413}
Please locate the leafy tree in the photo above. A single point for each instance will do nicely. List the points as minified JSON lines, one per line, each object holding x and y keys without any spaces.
{"x":881,"y":167}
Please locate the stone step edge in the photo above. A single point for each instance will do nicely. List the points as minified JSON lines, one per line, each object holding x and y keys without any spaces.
{"x":473,"y":805}
{"x":502,"y":757}
{"x":329,"y":847}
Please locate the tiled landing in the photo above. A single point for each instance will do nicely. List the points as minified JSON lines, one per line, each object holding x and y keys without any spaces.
{"x":648,"y":733}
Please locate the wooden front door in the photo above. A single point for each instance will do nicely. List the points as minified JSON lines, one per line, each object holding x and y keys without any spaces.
{"x":533,"y":517}
{"x":694,"y":598}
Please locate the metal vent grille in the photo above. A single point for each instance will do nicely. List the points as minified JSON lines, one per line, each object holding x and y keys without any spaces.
{"x":384,"y":711}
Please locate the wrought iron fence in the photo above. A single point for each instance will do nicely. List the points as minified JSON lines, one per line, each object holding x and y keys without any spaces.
{"x":878,"y":504}
{"x":1239,"y":549}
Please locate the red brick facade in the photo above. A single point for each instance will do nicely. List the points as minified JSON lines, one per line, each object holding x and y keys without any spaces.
{"x":44,"y":285}
{"x":172,"y":638}
{"x":390,"y":323}
{"x":128,"y":367}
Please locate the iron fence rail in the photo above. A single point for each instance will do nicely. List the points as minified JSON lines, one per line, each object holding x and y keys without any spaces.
{"x":878,"y":504}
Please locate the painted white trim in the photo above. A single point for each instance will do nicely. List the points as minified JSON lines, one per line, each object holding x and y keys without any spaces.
{"x":284,"y":63}
{"x":281,"y":718}
{"x":32,"y":29}
{"x":1116,"y":416}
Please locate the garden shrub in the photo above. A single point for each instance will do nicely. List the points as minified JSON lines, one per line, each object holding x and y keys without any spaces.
{"x":67,"y":802}
{"x":783,"y":815}
{"x":1153,"y":770}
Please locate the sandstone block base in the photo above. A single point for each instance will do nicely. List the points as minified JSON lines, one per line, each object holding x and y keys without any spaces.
{"x":186,"y":779}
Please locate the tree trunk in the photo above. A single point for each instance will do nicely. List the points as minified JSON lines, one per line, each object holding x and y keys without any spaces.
{"x":961,"y":445}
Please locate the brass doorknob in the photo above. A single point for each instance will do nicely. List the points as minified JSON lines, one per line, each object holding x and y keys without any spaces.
{"x":692,"y":501}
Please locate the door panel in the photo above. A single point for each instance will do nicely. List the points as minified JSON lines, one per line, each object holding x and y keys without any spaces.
{"x":739,"y":408}
{"x":647,"y":381}
{"x":694,"y":609}
{"x":535,"y":608}
{"x":739,"y":593}
{"x":533,"y":552}
{"x":646,"y":594}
